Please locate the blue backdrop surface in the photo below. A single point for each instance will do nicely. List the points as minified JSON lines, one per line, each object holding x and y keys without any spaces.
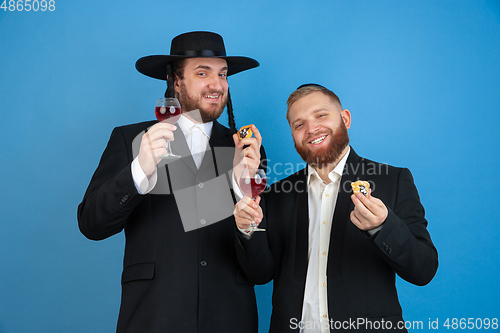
{"x":421,"y":79}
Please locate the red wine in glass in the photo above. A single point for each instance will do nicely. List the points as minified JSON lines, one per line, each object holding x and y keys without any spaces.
{"x":168,"y":110}
{"x":168,"y":114}
{"x":252,"y":183}
{"x":253,"y":186}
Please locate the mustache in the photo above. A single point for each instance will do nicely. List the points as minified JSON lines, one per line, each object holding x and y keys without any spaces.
{"x":214,"y":92}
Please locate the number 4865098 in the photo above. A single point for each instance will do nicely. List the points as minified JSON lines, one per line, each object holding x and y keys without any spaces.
{"x":28,"y":5}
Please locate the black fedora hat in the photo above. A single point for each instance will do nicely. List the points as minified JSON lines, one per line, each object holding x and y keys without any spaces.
{"x":194,"y":44}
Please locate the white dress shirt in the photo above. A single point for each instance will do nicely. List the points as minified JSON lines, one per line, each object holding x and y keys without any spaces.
{"x":197,"y":137}
{"x":322,"y":199}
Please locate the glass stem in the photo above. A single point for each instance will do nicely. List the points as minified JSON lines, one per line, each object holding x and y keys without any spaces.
{"x":169,"y":151}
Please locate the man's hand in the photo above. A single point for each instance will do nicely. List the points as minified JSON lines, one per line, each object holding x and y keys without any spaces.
{"x":154,"y":144}
{"x":369,"y":212}
{"x":247,"y":211}
{"x":250,"y":156}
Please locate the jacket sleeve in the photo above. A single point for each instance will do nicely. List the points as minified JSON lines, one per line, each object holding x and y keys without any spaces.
{"x":111,"y":195}
{"x":254,"y":255}
{"x":404,"y":241}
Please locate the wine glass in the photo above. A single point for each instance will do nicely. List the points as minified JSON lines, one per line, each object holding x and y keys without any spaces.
{"x":168,"y":110}
{"x":252,"y":183}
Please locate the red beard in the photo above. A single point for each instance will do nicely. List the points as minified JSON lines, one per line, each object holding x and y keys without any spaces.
{"x":331,"y":154}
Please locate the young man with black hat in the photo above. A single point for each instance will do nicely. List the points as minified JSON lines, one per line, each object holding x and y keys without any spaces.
{"x":180,"y":269}
{"x":332,"y":254}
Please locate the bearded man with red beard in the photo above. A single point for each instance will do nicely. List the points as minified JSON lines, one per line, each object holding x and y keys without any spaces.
{"x":333,"y":255}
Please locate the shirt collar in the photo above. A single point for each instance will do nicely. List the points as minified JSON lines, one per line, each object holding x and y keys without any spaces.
{"x":187,"y":124}
{"x":335,"y":174}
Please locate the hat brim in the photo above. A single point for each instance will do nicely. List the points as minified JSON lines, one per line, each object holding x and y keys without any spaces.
{"x":155,"y":65}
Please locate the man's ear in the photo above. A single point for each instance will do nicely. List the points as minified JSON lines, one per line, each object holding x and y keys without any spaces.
{"x":177,"y":85}
{"x":346,"y":117}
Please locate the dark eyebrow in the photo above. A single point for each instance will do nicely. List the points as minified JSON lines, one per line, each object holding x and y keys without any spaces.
{"x":203,"y":67}
{"x":208,"y":68}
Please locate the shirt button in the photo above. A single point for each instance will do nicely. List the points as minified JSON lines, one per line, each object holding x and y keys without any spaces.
{"x":200,"y":185}
{"x":324,"y":253}
{"x":327,"y":195}
{"x":203,"y":263}
{"x":203,"y":222}
{"x":324,"y":284}
{"x":325,"y":223}
{"x":325,"y":316}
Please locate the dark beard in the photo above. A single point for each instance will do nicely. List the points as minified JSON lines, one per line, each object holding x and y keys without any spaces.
{"x":190,"y":104}
{"x":339,"y":141}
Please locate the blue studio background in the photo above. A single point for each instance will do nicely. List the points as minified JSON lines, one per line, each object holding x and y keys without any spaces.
{"x":421,"y":79}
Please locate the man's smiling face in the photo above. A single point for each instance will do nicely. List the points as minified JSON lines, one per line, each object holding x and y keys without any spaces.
{"x":203,"y":86}
{"x":319,"y":128}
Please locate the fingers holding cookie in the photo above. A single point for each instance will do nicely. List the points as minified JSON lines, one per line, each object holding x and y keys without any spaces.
{"x":369,"y":212}
{"x":248,"y":147}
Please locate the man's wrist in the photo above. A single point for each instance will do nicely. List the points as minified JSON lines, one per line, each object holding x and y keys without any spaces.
{"x":246,"y":232}
{"x":142,"y":182}
{"x":374,"y":231}
{"x":236,"y":187}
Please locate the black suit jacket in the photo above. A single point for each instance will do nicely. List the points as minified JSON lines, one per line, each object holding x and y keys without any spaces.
{"x":173,"y":280}
{"x":361,"y":268}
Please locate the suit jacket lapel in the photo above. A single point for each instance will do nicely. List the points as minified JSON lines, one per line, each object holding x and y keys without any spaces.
{"x":302,"y":230}
{"x":179,"y":147}
{"x":177,"y":168}
{"x":221,"y":148}
{"x":341,"y":215}
{"x":221,"y":137}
